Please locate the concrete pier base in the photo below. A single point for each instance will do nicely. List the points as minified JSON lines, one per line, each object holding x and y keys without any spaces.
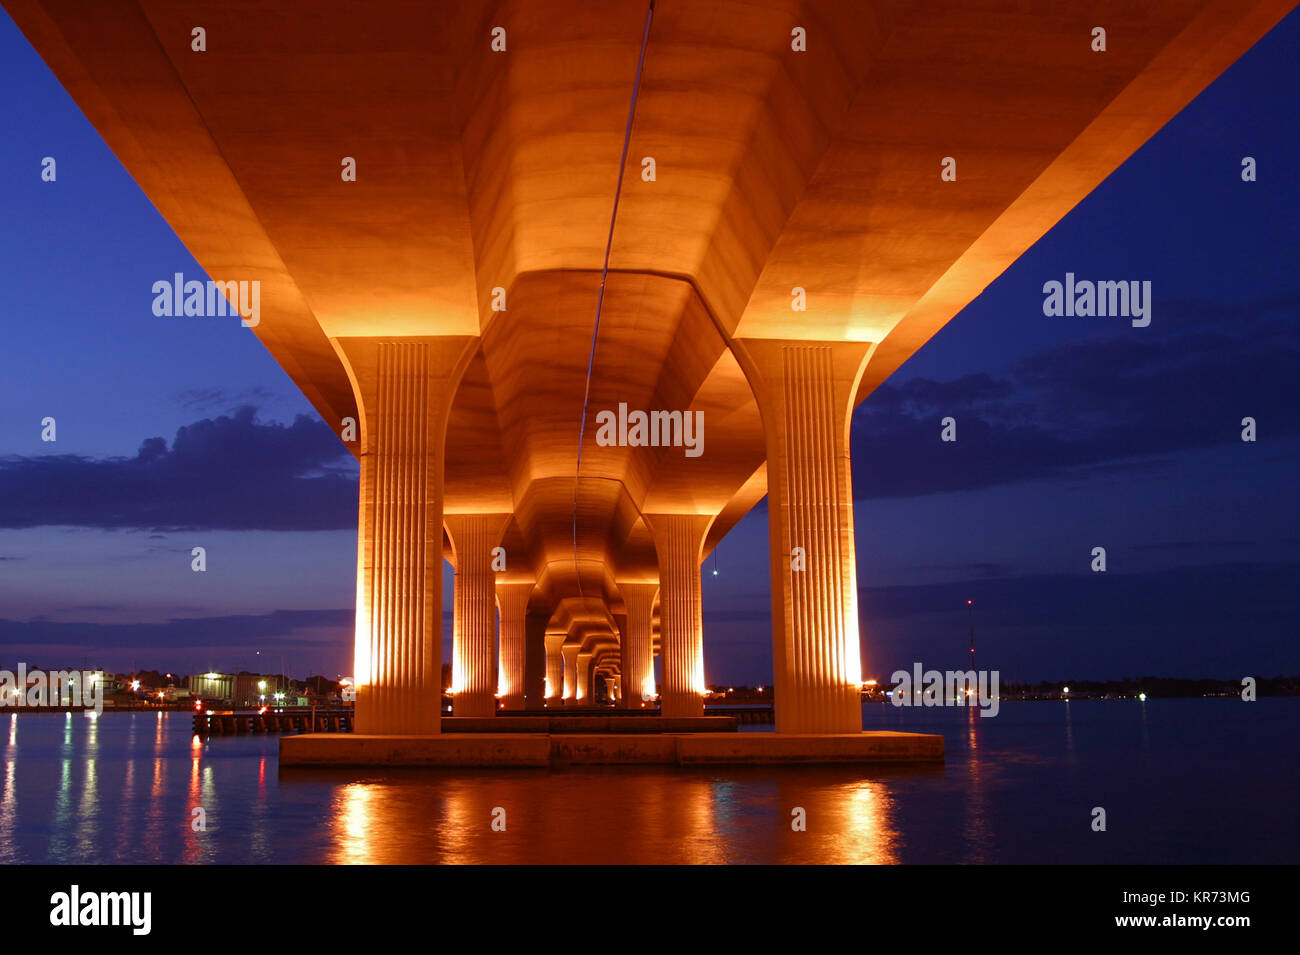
{"x":590,"y":725}
{"x":544,"y":749}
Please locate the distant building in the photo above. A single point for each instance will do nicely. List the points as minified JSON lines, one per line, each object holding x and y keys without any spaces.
{"x":257,"y":689}
{"x":212,"y":686}
{"x":239,"y":689}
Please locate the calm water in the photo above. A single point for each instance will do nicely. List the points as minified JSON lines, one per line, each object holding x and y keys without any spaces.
{"x":1182,"y":781}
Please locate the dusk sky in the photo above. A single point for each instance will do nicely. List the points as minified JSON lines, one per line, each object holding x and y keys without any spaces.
{"x":1072,"y":433}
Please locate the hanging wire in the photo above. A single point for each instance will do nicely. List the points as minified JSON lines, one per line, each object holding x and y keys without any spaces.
{"x":600,"y":298}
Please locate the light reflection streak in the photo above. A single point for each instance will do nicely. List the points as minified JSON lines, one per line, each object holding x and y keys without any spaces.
{"x":260,"y":848}
{"x":194,"y":800}
{"x":352,"y":806}
{"x":978,"y":830}
{"x":126,"y":800}
{"x":88,"y":808}
{"x":9,"y":812}
{"x":869,"y":835}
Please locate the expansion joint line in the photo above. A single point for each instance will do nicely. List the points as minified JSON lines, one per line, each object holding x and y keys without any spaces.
{"x":600,"y":297}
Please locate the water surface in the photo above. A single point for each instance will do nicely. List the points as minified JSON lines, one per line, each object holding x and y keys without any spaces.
{"x":1182,"y":781}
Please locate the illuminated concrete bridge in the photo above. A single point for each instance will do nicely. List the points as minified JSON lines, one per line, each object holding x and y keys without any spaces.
{"x":437,"y":198}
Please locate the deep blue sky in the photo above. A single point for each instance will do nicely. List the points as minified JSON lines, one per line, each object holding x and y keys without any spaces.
{"x":1072,"y":433}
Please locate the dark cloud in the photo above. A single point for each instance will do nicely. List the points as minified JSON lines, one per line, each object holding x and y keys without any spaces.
{"x":1180,"y":598}
{"x":1195,"y":545}
{"x":227,"y":473}
{"x":1190,"y":621}
{"x":977,"y":569}
{"x":1118,"y":400}
{"x":221,"y":399}
{"x":204,"y":633}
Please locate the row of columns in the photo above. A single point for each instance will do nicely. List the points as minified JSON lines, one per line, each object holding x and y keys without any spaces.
{"x":805,"y":393}
{"x":474,"y":634}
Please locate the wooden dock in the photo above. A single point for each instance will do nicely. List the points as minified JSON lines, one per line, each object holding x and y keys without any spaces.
{"x":245,"y":722}
{"x":339,"y":720}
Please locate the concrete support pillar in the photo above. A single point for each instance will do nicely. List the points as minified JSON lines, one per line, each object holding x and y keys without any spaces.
{"x":457,"y":629}
{"x":555,"y":669}
{"x":637,"y":652}
{"x":609,"y":689}
{"x":584,"y":695}
{"x":535,"y":660}
{"x":474,"y":669}
{"x":404,"y":389}
{"x":570,"y":653}
{"x":679,"y":540}
{"x":512,"y":603}
{"x":806,"y":393}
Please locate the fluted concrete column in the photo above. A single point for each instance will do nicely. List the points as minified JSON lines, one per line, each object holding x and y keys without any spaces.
{"x":637,"y":651}
{"x":474,"y":669}
{"x":584,"y":694}
{"x":679,"y":540}
{"x":403,"y":388}
{"x":512,"y":601}
{"x":535,"y":660}
{"x":555,"y":669}
{"x":457,"y":627}
{"x":806,"y":392}
{"x":570,"y":653}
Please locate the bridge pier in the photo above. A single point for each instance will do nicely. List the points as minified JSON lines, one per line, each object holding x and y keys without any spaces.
{"x":570,"y":653}
{"x":806,"y":395}
{"x":679,"y":541}
{"x":554,"y":643}
{"x":404,"y":389}
{"x":636,"y":649}
{"x":584,"y":694}
{"x":535,"y":657}
{"x":512,"y":601}
{"x":474,"y":637}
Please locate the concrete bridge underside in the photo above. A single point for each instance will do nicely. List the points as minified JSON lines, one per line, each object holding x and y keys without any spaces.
{"x":445,"y":300}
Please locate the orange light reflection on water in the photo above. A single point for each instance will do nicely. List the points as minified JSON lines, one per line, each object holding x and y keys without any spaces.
{"x":610,"y":815}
